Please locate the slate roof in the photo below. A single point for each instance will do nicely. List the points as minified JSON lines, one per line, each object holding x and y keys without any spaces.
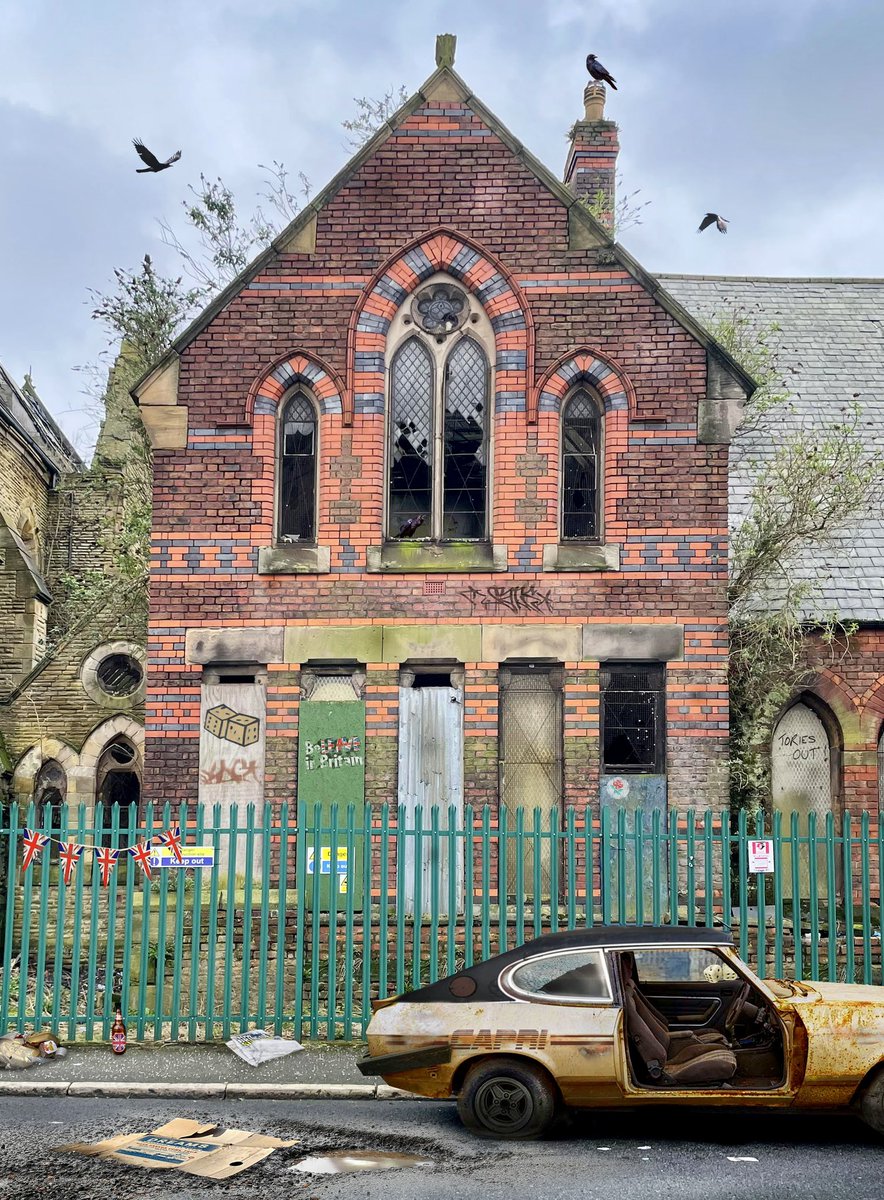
{"x":831,"y":349}
{"x":22,"y":408}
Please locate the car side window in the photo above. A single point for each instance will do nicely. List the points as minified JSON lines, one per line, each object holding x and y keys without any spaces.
{"x":682,"y":965}
{"x":577,"y":975}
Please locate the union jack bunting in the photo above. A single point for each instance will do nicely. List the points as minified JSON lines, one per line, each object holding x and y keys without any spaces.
{"x":141,"y":853}
{"x":34,"y":843}
{"x":69,"y":855}
{"x":172,"y":839}
{"x":107,"y":860}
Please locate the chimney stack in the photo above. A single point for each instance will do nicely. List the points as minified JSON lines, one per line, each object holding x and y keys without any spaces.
{"x":591,"y":167}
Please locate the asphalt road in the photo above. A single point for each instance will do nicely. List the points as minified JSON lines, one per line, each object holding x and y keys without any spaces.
{"x":611,"y":1156}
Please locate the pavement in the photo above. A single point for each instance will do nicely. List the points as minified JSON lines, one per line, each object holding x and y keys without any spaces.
{"x":660,"y":1155}
{"x":183,"y":1070}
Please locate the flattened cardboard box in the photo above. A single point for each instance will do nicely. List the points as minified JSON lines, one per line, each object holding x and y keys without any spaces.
{"x":186,"y":1146}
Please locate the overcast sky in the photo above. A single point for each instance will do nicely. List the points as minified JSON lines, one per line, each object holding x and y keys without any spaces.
{"x":768,"y":111}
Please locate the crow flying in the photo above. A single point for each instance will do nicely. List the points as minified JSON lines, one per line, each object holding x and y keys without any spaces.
{"x":409,"y":528}
{"x":713,"y":218}
{"x":153,"y":163}
{"x":598,"y":72}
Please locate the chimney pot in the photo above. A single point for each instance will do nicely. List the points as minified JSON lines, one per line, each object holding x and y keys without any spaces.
{"x":594,"y":101}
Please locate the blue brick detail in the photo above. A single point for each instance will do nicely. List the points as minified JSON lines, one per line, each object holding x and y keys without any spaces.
{"x":369,"y":360}
{"x":463,"y":261}
{"x":510,"y":320}
{"x":419,"y":263}
{"x":495,"y":286}
{"x":599,"y":371}
{"x":390,"y":290}
{"x":313,"y":373}
{"x":509,"y":402}
{"x":615,"y":400}
{"x":511,"y":360}
{"x":283,"y":374}
{"x":369,"y":323}
{"x":368,"y":402}
{"x":331,"y":404}
{"x":264,"y":406}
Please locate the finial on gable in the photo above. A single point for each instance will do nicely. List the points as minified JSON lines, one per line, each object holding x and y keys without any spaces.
{"x":445,"y":47}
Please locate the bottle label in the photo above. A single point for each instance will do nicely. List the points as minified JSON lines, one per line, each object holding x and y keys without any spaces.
{"x":118,"y":1043}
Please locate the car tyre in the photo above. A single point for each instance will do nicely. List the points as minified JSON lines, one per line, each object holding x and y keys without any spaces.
{"x":507,"y":1098}
{"x":871,"y":1106}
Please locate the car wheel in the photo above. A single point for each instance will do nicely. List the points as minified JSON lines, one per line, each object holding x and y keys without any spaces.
{"x":507,"y":1098}
{"x":871,"y":1106}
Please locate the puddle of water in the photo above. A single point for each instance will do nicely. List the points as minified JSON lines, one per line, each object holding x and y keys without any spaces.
{"x":357,"y":1160}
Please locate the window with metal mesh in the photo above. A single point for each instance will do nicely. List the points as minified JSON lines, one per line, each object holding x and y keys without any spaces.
{"x":465,"y":451}
{"x":581,"y":428}
{"x":119,"y":674}
{"x":297,"y":494}
{"x":411,"y":432}
{"x":633,"y":719}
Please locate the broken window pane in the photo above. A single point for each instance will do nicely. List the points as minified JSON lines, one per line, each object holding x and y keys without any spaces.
{"x":465,"y":450}
{"x":633,"y":719}
{"x":411,"y":475}
{"x":297,"y":492}
{"x":580,"y":467}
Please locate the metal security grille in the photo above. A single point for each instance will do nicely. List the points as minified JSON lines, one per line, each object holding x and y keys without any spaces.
{"x":530,"y":758}
{"x":465,"y":453}
{"x":411,"y":455}
{"x":297,"y":494}
{"x":580,"y":468}
{"x":119,"y":674}
{"x":633,"y":719}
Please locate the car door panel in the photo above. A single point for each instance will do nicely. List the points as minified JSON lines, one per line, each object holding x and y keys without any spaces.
{"x":693,"y":1005}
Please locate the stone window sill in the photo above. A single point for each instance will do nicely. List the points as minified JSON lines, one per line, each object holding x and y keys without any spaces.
{"x":448,"y":557}
{"x":294,"y":560}
{"x":581,"y":556}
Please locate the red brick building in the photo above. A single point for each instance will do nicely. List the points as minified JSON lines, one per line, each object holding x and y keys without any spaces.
{"x":444,"y":333}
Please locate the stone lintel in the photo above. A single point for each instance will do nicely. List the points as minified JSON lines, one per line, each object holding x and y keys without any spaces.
{"x":574,"y":556}
{"x":341,"y":643}
{"x":624,"y":643}
{"x":459,"y":642}
{"x":294,"y":560}
{"x":562,"y":643}
{"x":447,"y":558}
{"x":260,"y":644}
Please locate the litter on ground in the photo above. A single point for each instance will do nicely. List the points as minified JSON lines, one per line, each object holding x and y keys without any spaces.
{"x":185,"y":1145}
{"x":357,"y":1160}
{"x":18,"y":1051}
{"x":257,"y":1046}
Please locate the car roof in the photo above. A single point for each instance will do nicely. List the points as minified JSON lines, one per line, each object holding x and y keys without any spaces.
{"x":485,"y":974}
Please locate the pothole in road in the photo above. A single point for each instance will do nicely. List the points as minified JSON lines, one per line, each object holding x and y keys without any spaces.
{"x":343,"y":1161}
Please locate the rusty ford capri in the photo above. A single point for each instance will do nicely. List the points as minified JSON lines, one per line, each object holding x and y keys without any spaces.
{"x":621,"y":1016}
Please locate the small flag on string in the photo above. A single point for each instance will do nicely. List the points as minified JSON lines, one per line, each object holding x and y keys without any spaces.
{"x":69,"y":855}
{"x":141,"y":853}
{"x":34,"y":843}
{"x":172,"y":839}
{"x":107,"y":860}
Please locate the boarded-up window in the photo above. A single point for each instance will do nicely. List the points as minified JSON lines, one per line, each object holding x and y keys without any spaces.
{"x":531,"y":764}
{"x":633,"y":718}
{"x":801,"y":781}
{"x":431,"y":776}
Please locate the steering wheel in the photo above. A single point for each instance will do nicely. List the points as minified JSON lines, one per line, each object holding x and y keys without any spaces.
{"x":735,"y":1009}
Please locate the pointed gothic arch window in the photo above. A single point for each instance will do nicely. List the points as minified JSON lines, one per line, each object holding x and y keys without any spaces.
{"x":296,"y":512}
{"x":581,"y":466}
{"x":439,"y":432}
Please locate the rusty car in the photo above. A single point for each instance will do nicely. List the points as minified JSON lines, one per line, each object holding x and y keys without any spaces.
{"x":626,"y":1017}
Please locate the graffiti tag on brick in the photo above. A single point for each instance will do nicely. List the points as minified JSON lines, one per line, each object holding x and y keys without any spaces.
{"x":518,"y":599}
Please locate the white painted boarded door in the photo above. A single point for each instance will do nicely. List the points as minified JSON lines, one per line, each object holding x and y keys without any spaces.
{"x":801,"y":781}
{"x":530,"y":764}
{"x":431,"y":774}
{"x":232,"y":736}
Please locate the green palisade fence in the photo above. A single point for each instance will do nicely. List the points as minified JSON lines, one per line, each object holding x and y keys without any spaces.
{"x":337,"y":905}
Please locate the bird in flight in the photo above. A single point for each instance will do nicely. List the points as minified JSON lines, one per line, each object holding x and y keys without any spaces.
{"x":600,"y":73}
{"x":720,"y":223}
{"x":153,"y":163}
{"x":410,"y":527}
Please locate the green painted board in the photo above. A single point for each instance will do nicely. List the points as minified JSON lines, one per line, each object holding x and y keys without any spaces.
{"x":331,"y":773}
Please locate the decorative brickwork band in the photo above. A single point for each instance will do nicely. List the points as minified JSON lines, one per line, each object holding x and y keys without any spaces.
{"x":266,"y":393}
{"x":483,"y":275}
{"x":583,"y":366}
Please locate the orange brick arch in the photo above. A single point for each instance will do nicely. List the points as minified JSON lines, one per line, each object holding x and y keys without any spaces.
{"x":483,"y":275}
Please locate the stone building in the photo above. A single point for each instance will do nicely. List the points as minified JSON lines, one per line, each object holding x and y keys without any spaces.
{"x":440,"y":497}
{"x":71,"y":678}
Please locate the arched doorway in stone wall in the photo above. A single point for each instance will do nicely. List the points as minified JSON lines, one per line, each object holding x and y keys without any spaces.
{"x":118,"y":781}
{"x":805,"y":773}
